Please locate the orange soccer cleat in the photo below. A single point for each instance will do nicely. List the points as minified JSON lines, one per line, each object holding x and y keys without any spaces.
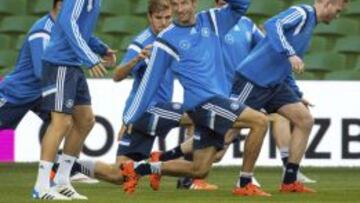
{"x":296,"y":187}
{"x":155,"y":178}
{"x":200,"y":184}
{"x":130,"y":177}
{"x":250,"y":190}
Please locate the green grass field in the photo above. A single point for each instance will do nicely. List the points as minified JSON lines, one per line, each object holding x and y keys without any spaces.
{"x":334,"y":185}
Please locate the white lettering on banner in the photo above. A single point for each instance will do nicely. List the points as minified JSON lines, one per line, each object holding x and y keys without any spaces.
{"x":335,"y":139}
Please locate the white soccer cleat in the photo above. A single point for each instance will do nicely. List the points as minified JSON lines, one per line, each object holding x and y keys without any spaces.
{"x":70,"y":192}
{"x":304,"y":179}
{"x":255,"y":182}
{"x":50,"y":194}
{"x":81,"y":178}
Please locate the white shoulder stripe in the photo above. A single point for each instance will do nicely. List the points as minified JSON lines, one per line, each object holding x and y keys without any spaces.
{"x":167,"y":50}
{"x":135,"y":48}
{"x":171,"y":26}
{"x":214,"y":21}
{"x":304,"y":17}
{"x":37,"y":35}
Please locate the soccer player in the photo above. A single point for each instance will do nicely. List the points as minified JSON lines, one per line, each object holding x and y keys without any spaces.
{"x":136,"y":141}
{"x":237,"y":45}
{"x":20,"y":91}
{"x":66,"y":94}
{"x":191,"y":48}
{"x":264,"y":79}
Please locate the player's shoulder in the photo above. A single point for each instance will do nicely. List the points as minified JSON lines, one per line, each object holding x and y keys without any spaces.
{"x":145,"y":37}
{"x":44,"y":24}
{"x":171,"y":33}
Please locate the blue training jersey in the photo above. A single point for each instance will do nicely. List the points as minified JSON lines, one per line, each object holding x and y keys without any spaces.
{"x":194,"y":54}
{"x":238,"y":43}
{"x":23,"y":84}
{"x":165,"y":92}
{"x":72,"y":43}
{"x":288,"y":33}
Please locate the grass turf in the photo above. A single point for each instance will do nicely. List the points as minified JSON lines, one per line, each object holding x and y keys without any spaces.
{"x":334,"y":185}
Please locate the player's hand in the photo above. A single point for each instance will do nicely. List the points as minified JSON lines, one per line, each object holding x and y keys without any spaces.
{"x":98,"y":70}
{"x":110,"y":58}
{"x":297,"y":64}
{"x":145,"y":53}
{"x":307,"y":103}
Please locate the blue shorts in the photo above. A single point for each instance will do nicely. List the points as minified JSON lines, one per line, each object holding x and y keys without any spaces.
{"x":157,"y":121}
{"x":218,"y":114}
{"x":136,"y":146}
{"x":12,"y":114}
{"x":213,"y":119}
{"x":63,"y":88}
{"x":204,"y":138}
{"x":256,"y":97}
{"x":160,"y":119}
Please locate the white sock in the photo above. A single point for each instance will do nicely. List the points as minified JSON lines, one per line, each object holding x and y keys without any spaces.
{"x":43,"y":178}
{"x":87,"y":167}
{"x":62,"y":176}
{"x":246,"y":174}
{"x":155,"y":167}
{"x":284,"y":152}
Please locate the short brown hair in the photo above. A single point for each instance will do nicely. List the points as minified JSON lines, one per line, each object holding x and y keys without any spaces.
{"x":155,"y":6}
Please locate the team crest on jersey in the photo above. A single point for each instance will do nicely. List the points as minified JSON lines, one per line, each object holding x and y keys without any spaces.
{"x":176,"y":106}
{"x":235,"y":106}
{"x":205,"y":32}
{"x":184,"y":44}
{"x":229,"y":39}
{"x":69,"y":103}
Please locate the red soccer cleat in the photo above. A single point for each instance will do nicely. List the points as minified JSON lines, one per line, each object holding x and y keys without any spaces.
{"x":155,"y":178}
{"x":296,"y":187}
{"x":130,"y":177}
{"x":250,"y":190}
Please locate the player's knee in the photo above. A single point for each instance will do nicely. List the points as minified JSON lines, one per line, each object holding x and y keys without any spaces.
{"x":88,"y":123}
{"x":260,"y":122}
{"x":305,"y":121}
{"x":61,"y":123}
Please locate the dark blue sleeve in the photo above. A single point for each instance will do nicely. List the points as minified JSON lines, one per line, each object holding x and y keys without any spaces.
{"x":278,"y":25}
{"x":225,"y":18}
{"x":38,"y":42}
{"x":98,"y":46}
{"x":292,"y":84}
{"x":161,"y":59}
{"x":69,"y":22}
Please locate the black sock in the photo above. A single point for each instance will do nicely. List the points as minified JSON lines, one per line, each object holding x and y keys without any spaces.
{"x":244,"y":180}
{"x":143,"y":169}
{"x":285,"y":161}
{"x":291,"y":173}
{"x":184,"y":182}
{"x":172,"y":154}
{"x":77,"y":169}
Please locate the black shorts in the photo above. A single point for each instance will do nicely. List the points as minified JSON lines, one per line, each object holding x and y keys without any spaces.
{"x":218,"y":114}
{"x":12,"y":114}
{"x":160,"y":119}
{"x":256,"y":97}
